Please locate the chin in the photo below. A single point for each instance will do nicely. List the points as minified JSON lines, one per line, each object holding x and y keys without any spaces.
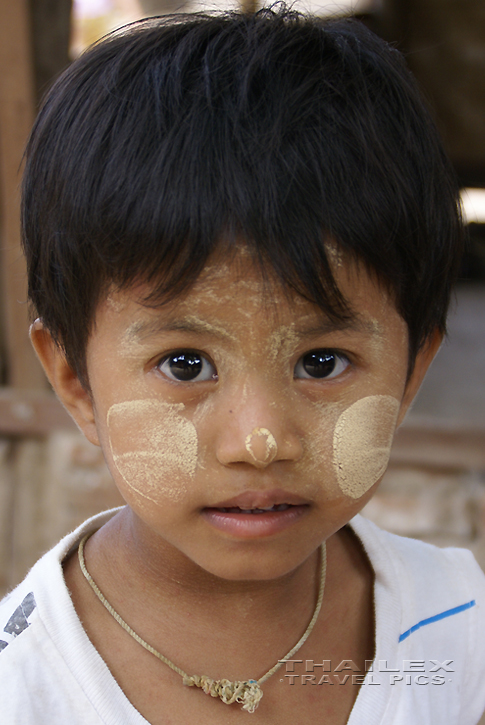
{"x":254,"y":563}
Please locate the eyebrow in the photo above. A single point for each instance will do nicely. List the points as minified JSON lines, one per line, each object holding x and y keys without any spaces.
{"x":141,"y":330}
{"x":355,"y":323}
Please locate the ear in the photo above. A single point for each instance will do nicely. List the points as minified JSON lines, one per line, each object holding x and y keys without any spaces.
{"x":424,"y":358}
{"x":75,"y":398}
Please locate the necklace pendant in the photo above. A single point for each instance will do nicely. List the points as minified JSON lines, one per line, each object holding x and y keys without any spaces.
{"x":248,"y":693}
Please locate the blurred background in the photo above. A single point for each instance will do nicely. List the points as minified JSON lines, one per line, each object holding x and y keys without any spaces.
{"x":51,"y":479}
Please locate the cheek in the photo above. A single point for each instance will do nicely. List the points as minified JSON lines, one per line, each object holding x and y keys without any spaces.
{"x":347,"y":449}
{"x":362,"y":443}
{"x":153,"y":448}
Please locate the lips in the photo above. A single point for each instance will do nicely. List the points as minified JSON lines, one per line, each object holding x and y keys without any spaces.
{"x":256,"y":514}
{"x":263,"y":501}
{"x":260,"y":510}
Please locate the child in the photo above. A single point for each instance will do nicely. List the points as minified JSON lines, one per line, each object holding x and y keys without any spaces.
{"x":241,"y":234}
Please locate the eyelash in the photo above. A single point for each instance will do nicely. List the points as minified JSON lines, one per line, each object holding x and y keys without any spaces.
{"x":191,"y":361}
{"x":321,"y":357}
{"x":201,"y":360}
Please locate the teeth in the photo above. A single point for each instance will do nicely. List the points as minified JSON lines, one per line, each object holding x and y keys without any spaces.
{"x":259,"y":510}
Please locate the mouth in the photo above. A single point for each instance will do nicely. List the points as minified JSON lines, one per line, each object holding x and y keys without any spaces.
{"x":259,"y":510}
{"x":257,"y":514}
{"x":260,"y":501}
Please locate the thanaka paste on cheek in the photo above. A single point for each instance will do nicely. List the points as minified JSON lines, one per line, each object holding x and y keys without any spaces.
{"x":362,"y":443}
{"x":153,"y":446}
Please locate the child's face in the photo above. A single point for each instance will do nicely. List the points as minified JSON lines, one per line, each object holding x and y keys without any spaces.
{"x":232,"y":400}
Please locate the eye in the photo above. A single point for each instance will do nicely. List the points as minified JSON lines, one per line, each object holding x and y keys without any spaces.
{"x":187,"y":366}
{"x":320,"y":364}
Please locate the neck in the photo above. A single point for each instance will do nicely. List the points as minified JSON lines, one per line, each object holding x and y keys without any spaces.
{"x":226,"y":629}
{"x":129,"y":560}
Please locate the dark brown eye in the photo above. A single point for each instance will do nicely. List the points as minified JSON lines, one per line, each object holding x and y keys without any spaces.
{"x":320,"y":364}
{"x":187,"y":367}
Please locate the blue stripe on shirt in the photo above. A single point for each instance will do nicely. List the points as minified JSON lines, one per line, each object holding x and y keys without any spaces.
{"x":436,"y":618}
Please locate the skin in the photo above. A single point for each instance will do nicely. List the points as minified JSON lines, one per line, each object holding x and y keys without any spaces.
{"x":256,"y":425}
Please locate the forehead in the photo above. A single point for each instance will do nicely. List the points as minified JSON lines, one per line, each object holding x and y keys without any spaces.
{"x":231,"y":294}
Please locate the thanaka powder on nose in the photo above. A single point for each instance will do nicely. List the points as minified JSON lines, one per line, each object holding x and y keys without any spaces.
{"x":261,"y":445}
{"x":154,"y":447}
{"x":362,"y":443}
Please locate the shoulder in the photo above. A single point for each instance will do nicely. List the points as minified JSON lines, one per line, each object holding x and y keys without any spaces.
{"x":38,"y":626}
{"x":18,"y":607}
{"x":25,"y":651}
{"x":430,"y":616}
{"x":402,"y":556}
{"x":444,"y":573}
{"x":428,"y":580}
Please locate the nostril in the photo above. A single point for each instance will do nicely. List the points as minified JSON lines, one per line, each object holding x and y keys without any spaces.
{"x":261,"y":445}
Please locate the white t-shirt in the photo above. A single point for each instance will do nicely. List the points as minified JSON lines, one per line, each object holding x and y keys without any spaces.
{"x":429,"y":667}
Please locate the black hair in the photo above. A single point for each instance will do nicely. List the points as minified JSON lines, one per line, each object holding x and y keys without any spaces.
{"x":177,"y":135}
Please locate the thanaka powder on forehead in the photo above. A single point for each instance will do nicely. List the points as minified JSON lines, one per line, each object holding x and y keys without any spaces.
{"x":362,"y":443}
{"x":210,"y":327}
{"x":282,"y":343}
{"x":115,"y":300}
{"x":154,"y":447}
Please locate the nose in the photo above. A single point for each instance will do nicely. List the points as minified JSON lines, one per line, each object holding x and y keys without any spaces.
{"x":255,"y":430}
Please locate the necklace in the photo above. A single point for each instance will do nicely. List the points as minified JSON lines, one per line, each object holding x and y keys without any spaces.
{"x":246,"y":692}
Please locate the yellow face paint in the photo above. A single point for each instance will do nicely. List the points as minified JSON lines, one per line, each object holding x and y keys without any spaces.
{"x":153,"y":446}
{"x":362,"y":442}
{"x":261,"y":445}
